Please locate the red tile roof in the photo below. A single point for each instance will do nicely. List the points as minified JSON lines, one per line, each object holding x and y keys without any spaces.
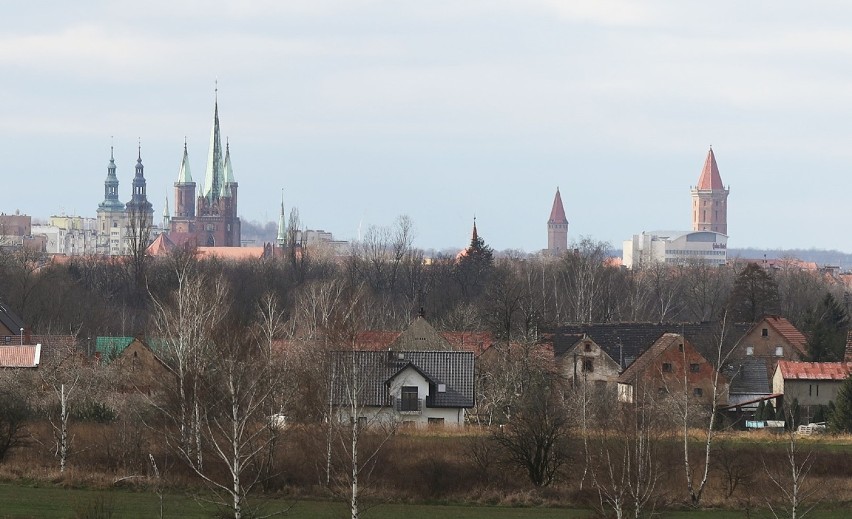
{"x":20,"y":356}
{"x":791,"y":370}
{"x":557,"y":213}
{"x":160,"y":246}
{"x":710,"y":178}
{"x":231,"y":253}
{"x":790,"y":332}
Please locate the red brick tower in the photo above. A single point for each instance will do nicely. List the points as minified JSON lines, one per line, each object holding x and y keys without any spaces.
{"x":710,"y":199}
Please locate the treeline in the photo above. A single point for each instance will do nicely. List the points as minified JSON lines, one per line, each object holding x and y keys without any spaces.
{"x":515,"y":295}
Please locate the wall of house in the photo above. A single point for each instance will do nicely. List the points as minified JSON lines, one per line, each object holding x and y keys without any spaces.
{"x":765,"y":346}
{"x":587,"y":354}
{"x":659,"y":379}
{"x":447,"y":416}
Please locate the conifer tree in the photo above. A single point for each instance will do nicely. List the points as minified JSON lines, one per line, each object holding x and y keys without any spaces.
{"x":841,"y":418}
{"x":826,"y":327}
{"x":755,"y":293}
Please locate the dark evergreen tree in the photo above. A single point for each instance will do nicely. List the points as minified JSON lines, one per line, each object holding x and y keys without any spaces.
{"x":826,"y":327}
{"x":755,"y":293}
{"x":819,"y":415}
{"x":760,"y":414}
{"x":841,"y":417}
{"x":473,"y":266}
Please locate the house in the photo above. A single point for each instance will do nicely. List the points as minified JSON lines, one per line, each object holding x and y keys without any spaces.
{"x":20,"y":356}
{"x":587,"y":362}
{"x":624,"y":342}
{"x":812,"y":384}
{"x":137,"y":368}
{"x":751,"y":364}
{"x":664,"y":368}
{"x":412,"y":387}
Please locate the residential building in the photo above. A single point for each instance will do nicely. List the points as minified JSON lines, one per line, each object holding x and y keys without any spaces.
{"x":586,"y":362}
{"x":751,"y":364}
{"x":69,"y":235}
{"x":409,"y":387}
{"x":710,"y":199}
{"x":675,"y":247}
{"x":557,"y":227}
{"x":811,"y":384}
{"x":672,"y":367}
{"x":420,"y":335}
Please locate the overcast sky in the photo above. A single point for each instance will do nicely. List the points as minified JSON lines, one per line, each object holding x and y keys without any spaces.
{"x":365,"y":110}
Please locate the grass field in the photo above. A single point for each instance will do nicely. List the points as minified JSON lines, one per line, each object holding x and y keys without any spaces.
{"x":25,"y":502}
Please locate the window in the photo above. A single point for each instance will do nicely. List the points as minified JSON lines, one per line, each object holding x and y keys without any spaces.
{"x":695,"y":368}
{"x":749,"y":350}
{"x":588,"y":365}
{"x":779,"y":351}
{"x":435,"y":421}
{"x":362,"y":421}
{"x":667,"y":367}
{"x":588,"y":347}
{"x":764,"y":332}
{"x":697,"y":391}
{"x":680,"y":348}
{"x":409,"y":402}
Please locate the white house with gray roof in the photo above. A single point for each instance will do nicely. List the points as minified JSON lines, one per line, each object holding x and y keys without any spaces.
{"x":410,"y":387}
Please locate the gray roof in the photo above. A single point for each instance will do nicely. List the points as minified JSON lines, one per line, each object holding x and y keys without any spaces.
{"x":749,"y":377}
{"x":374,"y":370}
{"x":10,"y":320}
{"x":625,"y":342}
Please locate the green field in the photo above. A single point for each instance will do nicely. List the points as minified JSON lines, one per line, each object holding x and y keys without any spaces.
{"x":20,"y":502}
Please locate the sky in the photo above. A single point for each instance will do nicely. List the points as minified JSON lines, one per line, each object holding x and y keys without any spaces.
{"x":362,"y":111}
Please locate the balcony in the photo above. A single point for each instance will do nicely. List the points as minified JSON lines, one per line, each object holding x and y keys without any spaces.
{"x":408,"y":405}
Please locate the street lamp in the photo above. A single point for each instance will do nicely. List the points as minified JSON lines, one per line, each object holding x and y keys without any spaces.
{"x":22,"y":336}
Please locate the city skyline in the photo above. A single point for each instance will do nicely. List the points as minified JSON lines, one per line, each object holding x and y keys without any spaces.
{"x":362,"y":111}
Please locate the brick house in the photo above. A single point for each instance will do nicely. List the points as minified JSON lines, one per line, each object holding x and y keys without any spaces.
{"x":662,"y":369}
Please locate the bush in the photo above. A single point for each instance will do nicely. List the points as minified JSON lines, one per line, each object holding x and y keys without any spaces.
{"x":14,"y":413}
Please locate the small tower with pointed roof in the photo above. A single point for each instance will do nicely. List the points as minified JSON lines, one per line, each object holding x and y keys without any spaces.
{"x":140,"y":212}
{"x":557,"y":227}
{"x":710,"y":199}
{"x":184,"y":190}
{"x":281,"y":239}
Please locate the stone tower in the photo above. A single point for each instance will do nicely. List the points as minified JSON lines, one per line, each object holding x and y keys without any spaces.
{"x":710,"y":199}
{"x":557,"y":227}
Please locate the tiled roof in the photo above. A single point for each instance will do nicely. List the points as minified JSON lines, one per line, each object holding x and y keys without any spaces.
{"x":749,"y":377}
{"x":557,"y":212}
{"x":20,"y":356}
{"x":420,"y":335}
{"x":231,"y":253}
{"x":791,"y":370}
{"x":374,"y":369}
{"x":10,"y":320}
{"x":660,"y":345}
{"x":788,"y":331}
{"x":710,"y":178}
{"x":624,"y":342}
{"x":160,"y":246}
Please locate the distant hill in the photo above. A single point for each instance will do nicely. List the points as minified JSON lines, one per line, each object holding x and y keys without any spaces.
{"x":820,"y":257}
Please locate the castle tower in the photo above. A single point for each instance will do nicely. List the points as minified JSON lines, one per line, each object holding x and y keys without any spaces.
{"x":710,"y":199}
{"x":557,"y":227}
{"x":184,"y":189}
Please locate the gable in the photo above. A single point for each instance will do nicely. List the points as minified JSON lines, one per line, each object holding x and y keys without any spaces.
{"x":420,"y":336}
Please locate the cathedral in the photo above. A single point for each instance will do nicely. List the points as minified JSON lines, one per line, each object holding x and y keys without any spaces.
{"x":119,"y":223}
{"x":210,"y":219}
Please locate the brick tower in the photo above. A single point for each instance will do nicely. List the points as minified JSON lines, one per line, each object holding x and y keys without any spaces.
{"x":557,"y":227}
{"x":710,"y":199}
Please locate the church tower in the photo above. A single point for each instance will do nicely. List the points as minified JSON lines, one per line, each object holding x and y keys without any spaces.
{"x":710,"y":199}
{"x":184,"y":190}
{"x":110,"y":213}
{"x":281,"y":239}
{"x":140,"y":212}
{"x":557,"y":227}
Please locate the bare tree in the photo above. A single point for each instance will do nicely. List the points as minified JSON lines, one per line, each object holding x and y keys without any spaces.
{"x":791,"y":481}
{"x":185,"y":321}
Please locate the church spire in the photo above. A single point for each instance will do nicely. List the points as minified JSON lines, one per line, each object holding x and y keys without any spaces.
{"x":214,"y":175}
{"x":282,"y":225}
{"x":184,"y":175}
{"x":111,"y":201}
{"x":228,"y":171}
